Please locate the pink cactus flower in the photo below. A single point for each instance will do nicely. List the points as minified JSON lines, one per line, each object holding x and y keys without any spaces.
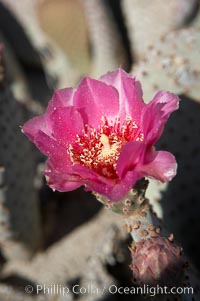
{"x":102,"y":135}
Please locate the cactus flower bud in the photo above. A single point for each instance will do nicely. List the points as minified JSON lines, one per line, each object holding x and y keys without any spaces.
{"x":157,"y":260}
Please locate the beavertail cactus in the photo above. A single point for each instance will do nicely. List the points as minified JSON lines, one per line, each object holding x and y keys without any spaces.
{"x":171,"y":63}
{"x":159,"y":17}
{"x":5,"y":232}
{"x":58,"y":69}
{"x":156,"y":258}
{"x":2,"y":70}
{"x":20,"y":224}
{"x":102,"y":135}
{"x":107,"y":48}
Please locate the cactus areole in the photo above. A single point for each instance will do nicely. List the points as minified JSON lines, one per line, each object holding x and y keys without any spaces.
{"x":102,"y":135}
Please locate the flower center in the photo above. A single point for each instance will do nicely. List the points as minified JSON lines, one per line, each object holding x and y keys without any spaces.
{"x":99,"y":149}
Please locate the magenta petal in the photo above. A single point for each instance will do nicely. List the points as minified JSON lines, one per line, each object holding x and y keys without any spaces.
{"x":54,"y":150}
{"x":46,"y":144}
{"x":95,"y":99}
{"x":62,"y":185}
{"x":61,"y":98}
{"x":156,"y":114}
{"x":89,"y":175}
{"x":113,"y":189}
{"x":38,"y":131}
{"x":131,"y":154}
{"x":117,"y":190}
{"x":122,"y":188}
{"x":59,"y":180}
{"x":162,"y":166}
{"x":31,"y":127}
{"x":130,"y":93}
{"x":66,"y":124}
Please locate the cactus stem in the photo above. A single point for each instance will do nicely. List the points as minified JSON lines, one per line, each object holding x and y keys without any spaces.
{"x":156,"y":258}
